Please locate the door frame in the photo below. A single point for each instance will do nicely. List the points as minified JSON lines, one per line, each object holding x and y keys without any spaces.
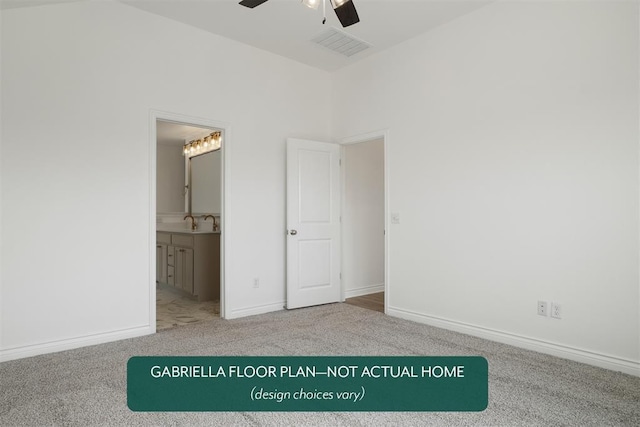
{"x":225,"y":227}
{"x":357,"y":139}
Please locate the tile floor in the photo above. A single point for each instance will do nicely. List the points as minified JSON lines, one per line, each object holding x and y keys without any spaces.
{"x":175,"y":308}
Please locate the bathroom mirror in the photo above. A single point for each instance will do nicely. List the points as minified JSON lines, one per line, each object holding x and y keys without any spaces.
{"x":205,"y":183}
{"x":186,"y":185}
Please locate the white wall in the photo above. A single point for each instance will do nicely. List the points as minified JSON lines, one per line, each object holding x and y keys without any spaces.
{"x":513,"y":157}
{"x":363,"y":218}
{"x":1,"y":184}
{"x":170,"y":181}
{"x":513,"y":163}
{"x":78,"y":84}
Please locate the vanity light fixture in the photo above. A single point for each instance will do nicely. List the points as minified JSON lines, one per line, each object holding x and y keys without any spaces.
{"x":210,"y":142}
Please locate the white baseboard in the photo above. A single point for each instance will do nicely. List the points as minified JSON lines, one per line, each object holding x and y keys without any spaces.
{"x":364,"y":290}
{"x":70,"y":344}
{"x":631,"y":367}
{"x":252,"y":311}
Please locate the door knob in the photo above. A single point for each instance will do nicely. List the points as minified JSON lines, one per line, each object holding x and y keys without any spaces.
{"x":294,"y":232}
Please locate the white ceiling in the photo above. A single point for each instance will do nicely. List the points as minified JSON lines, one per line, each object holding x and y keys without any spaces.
{"x":285,"y":27}
{"x":13,"y":4}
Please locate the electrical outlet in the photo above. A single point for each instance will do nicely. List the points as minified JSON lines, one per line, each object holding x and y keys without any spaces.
{"x":256,"y":282}
{"x":542,"y":308}
{"x":556,"y":310}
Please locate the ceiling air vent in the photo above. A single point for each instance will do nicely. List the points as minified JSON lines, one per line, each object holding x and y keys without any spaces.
{"x":340,"y":42}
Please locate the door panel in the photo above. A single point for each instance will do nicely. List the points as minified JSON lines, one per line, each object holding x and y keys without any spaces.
{"x":314,"y":257}
{"x":313,"y":223}
{"x":314,"y":186}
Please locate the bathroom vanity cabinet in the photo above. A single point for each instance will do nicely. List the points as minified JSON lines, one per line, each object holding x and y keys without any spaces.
{"x":189,"y":262}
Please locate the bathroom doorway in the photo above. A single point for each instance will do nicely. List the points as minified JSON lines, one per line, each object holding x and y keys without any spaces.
{"x":364,"y":221}
{"x":187,"y":220}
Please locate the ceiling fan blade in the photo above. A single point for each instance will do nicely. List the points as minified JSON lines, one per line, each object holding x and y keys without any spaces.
{"x":346,"y":12}
{"x":252,"y":3}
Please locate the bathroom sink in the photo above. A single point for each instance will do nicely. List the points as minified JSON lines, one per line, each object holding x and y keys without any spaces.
{"x":177,"y":228}
{"x":185,"y":231}
{"x":202,"y":231}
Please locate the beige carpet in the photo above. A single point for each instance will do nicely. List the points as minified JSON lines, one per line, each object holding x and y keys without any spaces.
{"x":176,"y":308}
{"x":87,"y":386}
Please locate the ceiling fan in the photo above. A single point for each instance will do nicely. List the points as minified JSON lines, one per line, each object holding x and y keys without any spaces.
{"x":345,"y":10}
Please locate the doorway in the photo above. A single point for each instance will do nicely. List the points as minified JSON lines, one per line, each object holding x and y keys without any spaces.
{"x":364,"y":222}
{"x":187,"y":256}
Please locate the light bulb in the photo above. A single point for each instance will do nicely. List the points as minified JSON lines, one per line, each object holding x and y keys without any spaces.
{"x":313,"y":4}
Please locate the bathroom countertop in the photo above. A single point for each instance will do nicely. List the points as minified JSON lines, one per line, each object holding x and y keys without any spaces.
{"x":180,"y":228}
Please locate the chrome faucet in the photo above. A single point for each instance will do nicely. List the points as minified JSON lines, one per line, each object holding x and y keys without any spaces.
{"x":215,"y":224}
{"x":194,"y":223}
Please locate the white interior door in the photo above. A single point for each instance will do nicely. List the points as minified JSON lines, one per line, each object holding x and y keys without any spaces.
{"x":313,"y":223}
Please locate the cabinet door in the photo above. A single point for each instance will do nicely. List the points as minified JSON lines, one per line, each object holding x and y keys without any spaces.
{"x":187,"y":265}
{"x":184,"y":269}
{"x":171,"y":275}
{"x":179,"y":268}
{"x":161,"y":263}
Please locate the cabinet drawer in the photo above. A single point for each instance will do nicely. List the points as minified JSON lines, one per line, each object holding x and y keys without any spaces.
{"x":182,"y":240}
{"x":163,"y":238}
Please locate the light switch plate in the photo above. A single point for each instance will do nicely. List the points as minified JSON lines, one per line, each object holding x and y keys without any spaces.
{"x":395,"y":218}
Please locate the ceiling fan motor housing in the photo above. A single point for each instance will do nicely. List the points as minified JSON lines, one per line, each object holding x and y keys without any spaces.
{"x":346,"y":12}
{"x":252,"y":3}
